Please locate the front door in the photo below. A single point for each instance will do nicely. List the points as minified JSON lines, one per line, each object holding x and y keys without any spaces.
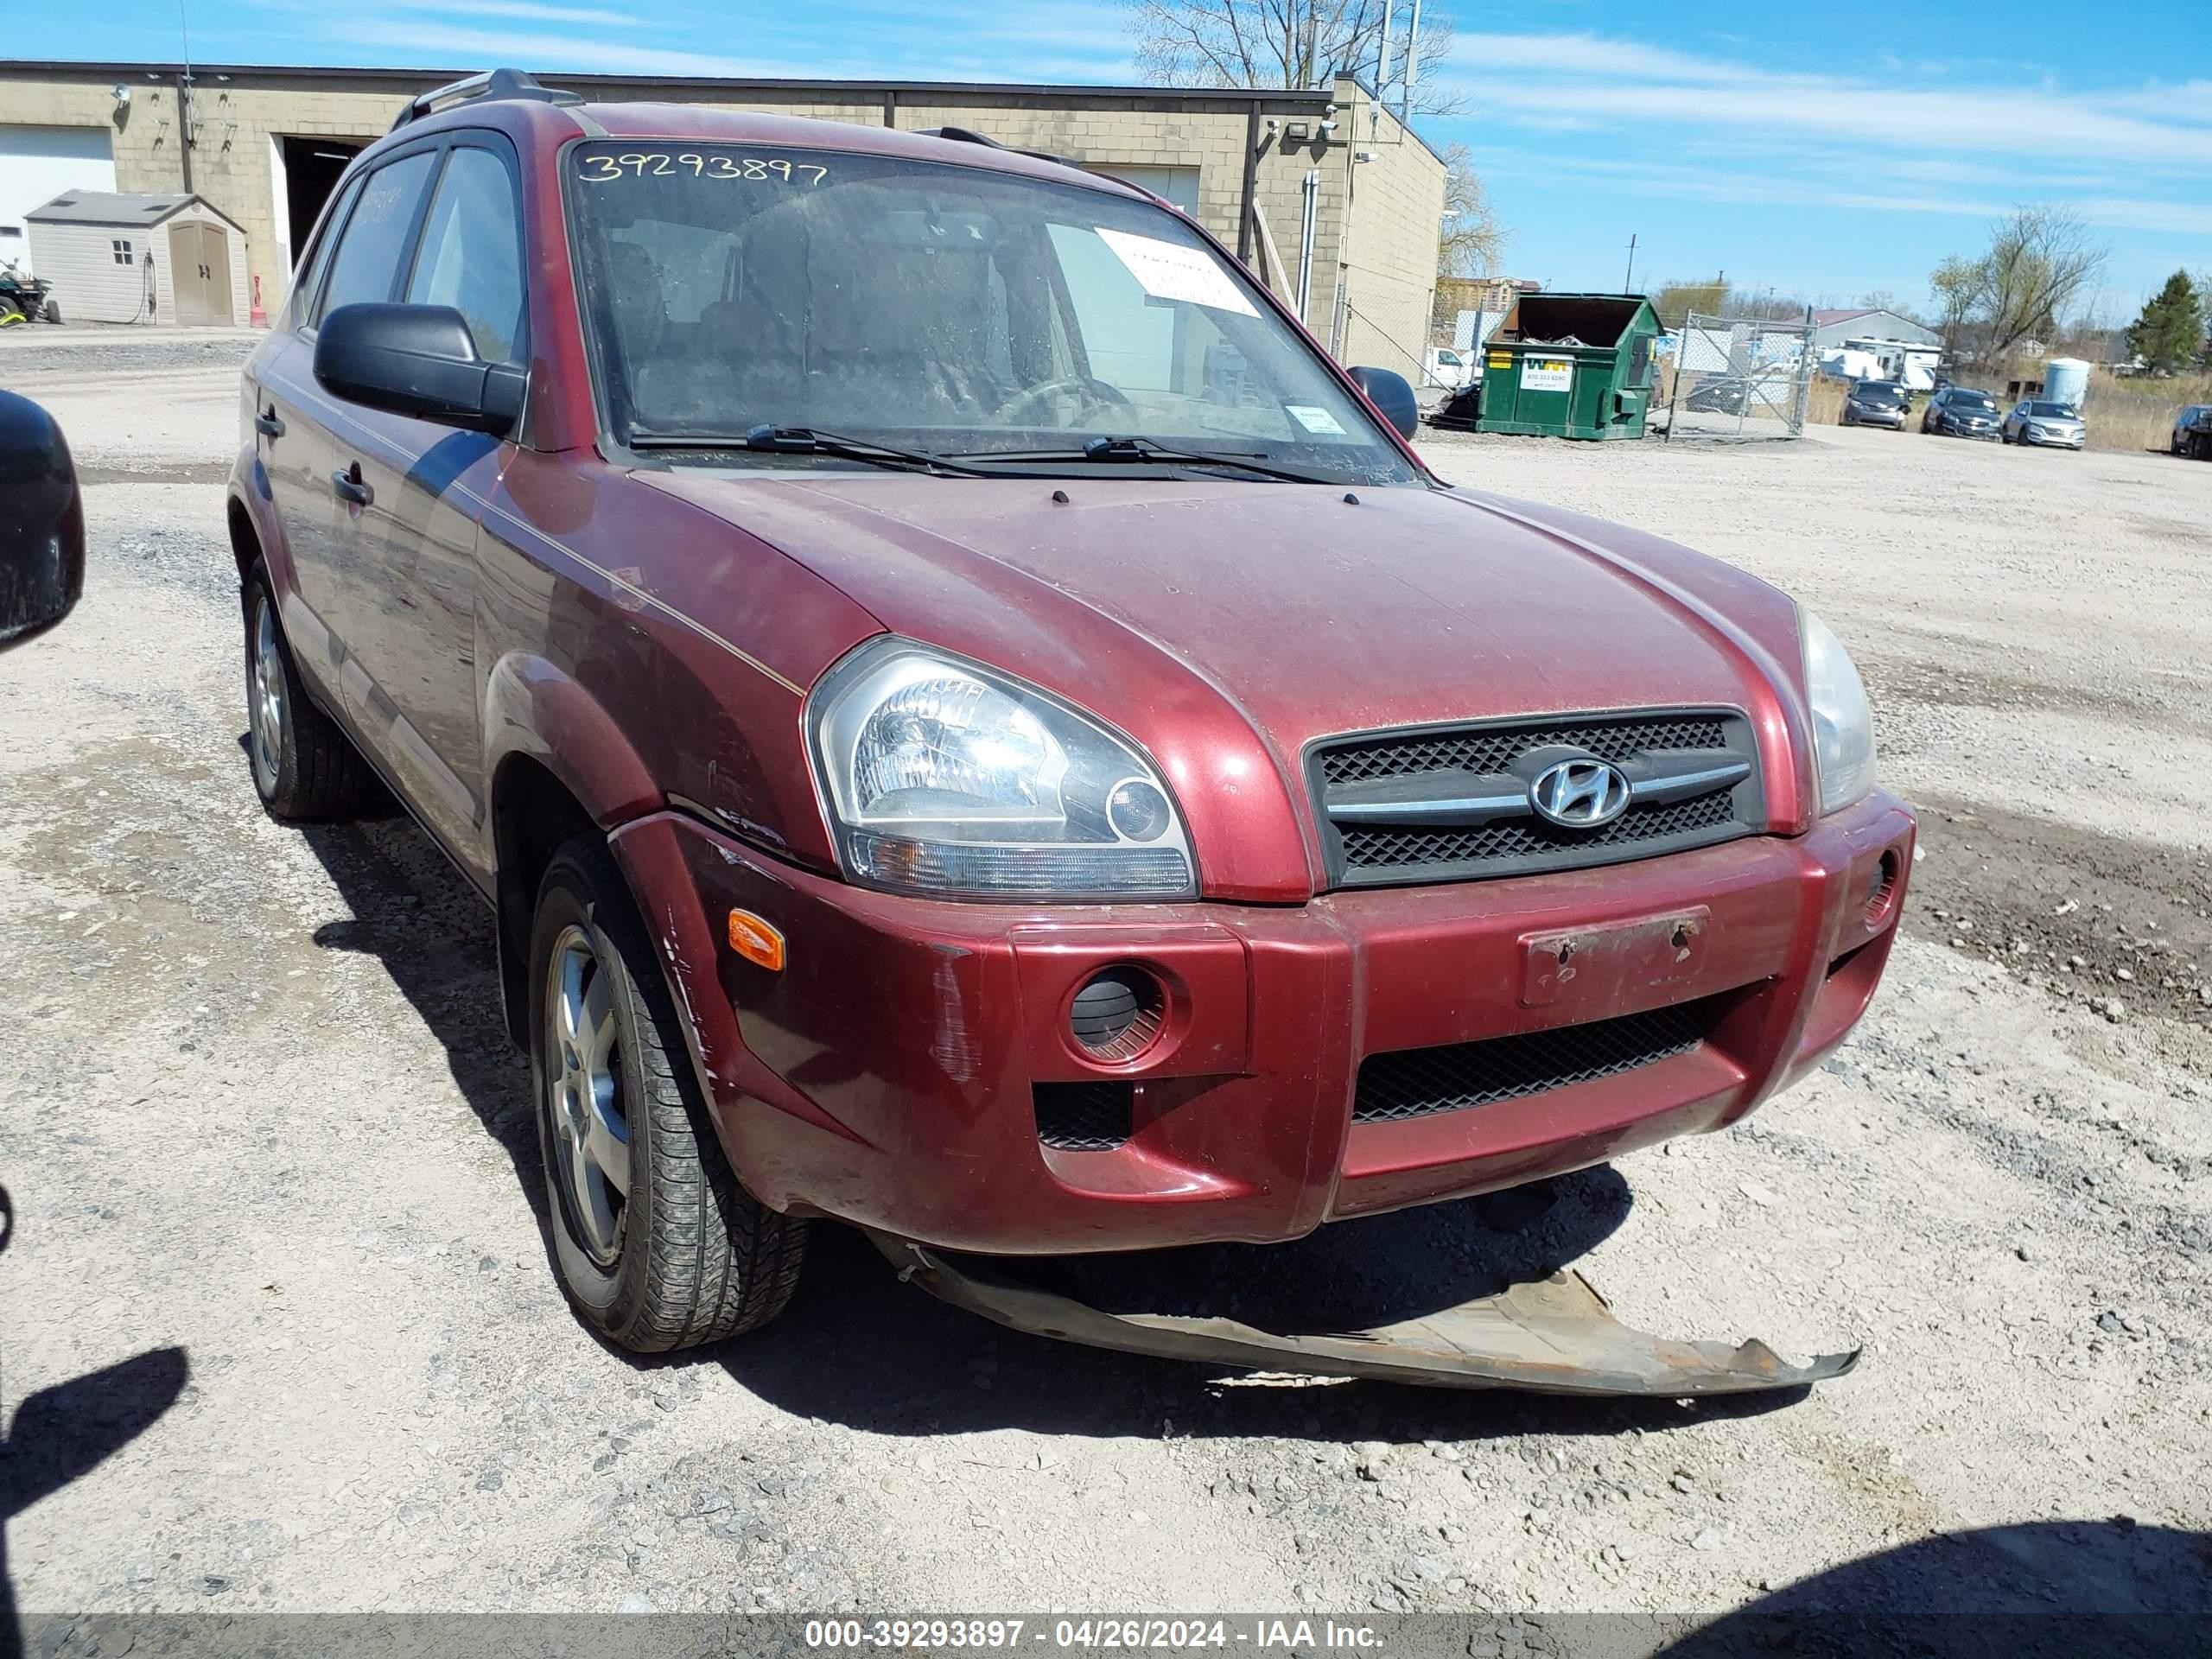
{"x":309,"y":439}
{"x":410,"y":678}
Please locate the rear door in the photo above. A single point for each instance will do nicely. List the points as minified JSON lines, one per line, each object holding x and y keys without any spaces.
{"x":410,"y":679}
{"x":295,"y":452}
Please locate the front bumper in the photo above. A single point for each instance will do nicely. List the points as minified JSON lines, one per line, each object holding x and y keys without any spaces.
{"x":2028,"y":437}
{"x":885,"y":1075}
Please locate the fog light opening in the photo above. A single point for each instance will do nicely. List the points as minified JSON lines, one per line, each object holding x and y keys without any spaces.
{"x":1117,"y":1013}
{"x":1882,"y":892}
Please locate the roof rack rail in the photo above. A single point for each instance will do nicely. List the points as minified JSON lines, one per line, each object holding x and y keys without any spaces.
{"x":969,"y":136}
{"x":492,"y":83}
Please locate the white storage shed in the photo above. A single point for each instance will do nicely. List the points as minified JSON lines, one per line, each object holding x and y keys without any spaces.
{"x":127,"y":258}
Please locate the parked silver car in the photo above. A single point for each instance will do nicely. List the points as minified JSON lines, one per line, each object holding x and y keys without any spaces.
{"x":2034,"y":421}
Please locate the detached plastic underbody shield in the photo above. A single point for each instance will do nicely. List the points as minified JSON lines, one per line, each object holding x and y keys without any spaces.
{"x":1548,"y":1336}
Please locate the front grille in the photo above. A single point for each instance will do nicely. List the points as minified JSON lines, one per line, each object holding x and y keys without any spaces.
{"x":1417,"y":1081}
{"x":1372,"y":791}
{"x":1083,"y":1117}
{"x":1519,"y":838}
{"x":1493,"y":748}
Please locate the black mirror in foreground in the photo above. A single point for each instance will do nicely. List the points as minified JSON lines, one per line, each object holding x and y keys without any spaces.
{"x":1393,"y":397}
{"x":418,"y":360}
{"x":42,"y":523}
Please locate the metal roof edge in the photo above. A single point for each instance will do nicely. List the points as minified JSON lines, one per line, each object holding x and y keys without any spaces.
{"x":202,"y":72}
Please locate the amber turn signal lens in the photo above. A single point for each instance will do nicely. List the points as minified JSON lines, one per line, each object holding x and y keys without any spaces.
{"x":751,"y":938}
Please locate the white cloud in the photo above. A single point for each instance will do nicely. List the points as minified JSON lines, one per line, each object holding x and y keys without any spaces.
{"x":2190,"y":100}
{"x":1590,"y":54}
{"x":988,"y":54}
{"x":1744,"y":185}
{"x":1538,"y":78}
{"x":2168,"y":218}
{"x":534,"y":10}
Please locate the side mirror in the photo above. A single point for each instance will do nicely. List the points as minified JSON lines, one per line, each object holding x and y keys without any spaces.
{"x":1392,"y":399}
{"x":418,"y":360}
{"x":42,"y":523}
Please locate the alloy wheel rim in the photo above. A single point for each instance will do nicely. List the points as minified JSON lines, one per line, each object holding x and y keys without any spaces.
{"x":268,"y":711}
{"x":583,"y":1103}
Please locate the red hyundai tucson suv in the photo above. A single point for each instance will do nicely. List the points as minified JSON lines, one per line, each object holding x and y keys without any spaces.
{"x":971,"y":724}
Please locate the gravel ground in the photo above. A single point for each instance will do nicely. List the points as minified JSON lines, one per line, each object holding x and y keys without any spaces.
{"x":277,"y":1260}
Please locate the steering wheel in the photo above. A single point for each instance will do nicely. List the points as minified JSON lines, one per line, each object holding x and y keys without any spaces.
{"x":1092,"y":392}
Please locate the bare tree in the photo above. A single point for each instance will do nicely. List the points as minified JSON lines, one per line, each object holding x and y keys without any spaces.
{"x":1958,"y":285}
{"x":1677,"y":300}
{"x":2041,"y":261}
{"x":1473,"y":241}
{"x":1293,"y":43}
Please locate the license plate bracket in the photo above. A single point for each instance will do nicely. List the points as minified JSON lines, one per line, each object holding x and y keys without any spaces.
{"x":1614,"y":966}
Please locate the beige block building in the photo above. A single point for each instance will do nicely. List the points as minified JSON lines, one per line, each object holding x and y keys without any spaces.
{"x":1322,"y":192}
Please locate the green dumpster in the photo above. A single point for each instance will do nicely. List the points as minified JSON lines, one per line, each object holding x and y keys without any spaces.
{"x":1570,"y":366}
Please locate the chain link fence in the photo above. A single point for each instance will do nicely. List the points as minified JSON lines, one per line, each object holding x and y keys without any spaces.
{"x":1742,"y":379}
{"x":1382,"y":327}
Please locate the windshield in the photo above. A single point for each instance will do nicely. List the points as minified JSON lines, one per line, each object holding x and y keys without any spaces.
{"x":1971,"y":400}
{"x":1876,"y":392}
{"x":939,"y":307}
{"x":2060,"y":411}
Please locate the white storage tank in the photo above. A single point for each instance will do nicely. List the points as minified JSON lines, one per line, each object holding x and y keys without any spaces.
{"x":2066,"y":380}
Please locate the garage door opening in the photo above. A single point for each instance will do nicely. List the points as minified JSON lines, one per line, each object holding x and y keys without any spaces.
{"x":311,"y":168}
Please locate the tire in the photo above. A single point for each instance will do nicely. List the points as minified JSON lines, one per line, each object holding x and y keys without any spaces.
{"x":53,"y":312}
{"x":305,"y":768}
{"x":683,"y":1254}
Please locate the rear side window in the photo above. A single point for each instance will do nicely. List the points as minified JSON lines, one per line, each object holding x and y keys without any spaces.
{"x":471,"y":255}
{"x":367,"y":265}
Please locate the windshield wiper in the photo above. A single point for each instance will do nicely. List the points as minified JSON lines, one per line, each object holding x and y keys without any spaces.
{"x":807,"y":441}
{"x":1111,"y":449}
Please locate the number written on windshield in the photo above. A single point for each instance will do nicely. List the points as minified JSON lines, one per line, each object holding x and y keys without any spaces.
{"x":657,"y":163}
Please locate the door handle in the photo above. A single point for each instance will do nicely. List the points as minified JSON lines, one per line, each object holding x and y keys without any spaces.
{"x":349,"y":485}
{"x":268,"y":425}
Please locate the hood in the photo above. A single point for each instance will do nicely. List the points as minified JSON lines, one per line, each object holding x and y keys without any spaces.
{"x":1307,"y":610}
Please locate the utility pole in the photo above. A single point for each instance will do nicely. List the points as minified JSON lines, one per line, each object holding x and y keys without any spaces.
{"x":1628,"y":283}
{"x":1413,"y":65}
{"x":184,"y":98}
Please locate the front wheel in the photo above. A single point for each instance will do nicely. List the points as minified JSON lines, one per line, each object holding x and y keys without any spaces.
{"x":53,"y":313}
{"x":655,"y":1242}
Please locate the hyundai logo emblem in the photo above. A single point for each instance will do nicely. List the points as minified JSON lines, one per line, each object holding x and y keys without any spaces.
{"x":1579,"y":794}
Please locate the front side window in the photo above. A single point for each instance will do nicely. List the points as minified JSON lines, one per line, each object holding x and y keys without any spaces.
{"x":471,"y":255}
{"x":952,"y":308}
{"x":365,"y":268}
{"x":310,"y":277}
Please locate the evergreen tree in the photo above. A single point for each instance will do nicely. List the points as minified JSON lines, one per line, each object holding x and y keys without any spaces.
{"x":2169,"y":334}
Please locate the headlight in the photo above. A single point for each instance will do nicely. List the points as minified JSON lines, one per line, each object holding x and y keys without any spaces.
{"x":1843,"y":724}
{"x":943,"y":777}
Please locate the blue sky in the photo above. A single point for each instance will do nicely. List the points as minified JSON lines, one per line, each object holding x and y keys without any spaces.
{"x":1828,"y":151}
